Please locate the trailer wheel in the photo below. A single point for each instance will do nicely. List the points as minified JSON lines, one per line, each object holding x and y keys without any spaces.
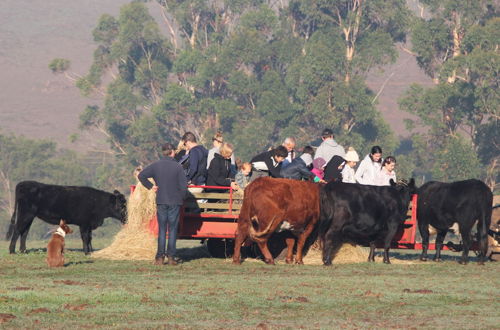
{"x":220,"y":247}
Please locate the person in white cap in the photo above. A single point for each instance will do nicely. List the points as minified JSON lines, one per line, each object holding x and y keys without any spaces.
{"x":351,"y":158}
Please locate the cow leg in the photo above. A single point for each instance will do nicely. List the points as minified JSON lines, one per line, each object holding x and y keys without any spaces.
{"x":301,"y":241}
{"x":21,"y":228}
{"x":483,"y":239}
{"x":268,"y":258}
{"x":424,"y":232}
{"x":393,"y":228}
{"x":331,"y":245}
{"x":371,"y":256}
{"x":466,"y":242}
{"x":24,"y":236}
{"x":290,"y":242}
{"x":441,"y":234}
{"x":86,"y":235}
{"x":241,"y":236}
{"x":13,"y":241}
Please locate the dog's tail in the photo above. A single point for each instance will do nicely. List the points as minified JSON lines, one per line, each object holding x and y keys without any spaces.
{"x":13,"y":221}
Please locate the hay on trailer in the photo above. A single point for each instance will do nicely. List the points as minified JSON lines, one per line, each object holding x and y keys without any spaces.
{"x":134,"y":241}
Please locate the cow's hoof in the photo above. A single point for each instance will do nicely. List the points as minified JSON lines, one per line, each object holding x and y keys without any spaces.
{"x":269,"y":261}
{"x":236,"y":262}
{"x":480,"y":263}
{"x":289,"y":261}
{"x":463,"y":262}
{"x":387,"y":262}
{"x":327,"y":263}
{"x":423,"y":258}
{"x":437,"y":259}
{"x":299,"y":262}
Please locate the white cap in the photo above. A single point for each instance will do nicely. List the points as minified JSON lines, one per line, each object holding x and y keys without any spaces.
{"x":351,"y":155}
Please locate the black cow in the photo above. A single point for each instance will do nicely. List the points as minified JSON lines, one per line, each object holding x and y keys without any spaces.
{"x":362,"y":214}
{"x":464,"y":202}
{"x":82,"y":206}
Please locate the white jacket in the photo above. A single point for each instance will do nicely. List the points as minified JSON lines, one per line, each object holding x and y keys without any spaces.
{"x":383,"y":178}
{"x":367,"y":171}
{"x":348,"y":174}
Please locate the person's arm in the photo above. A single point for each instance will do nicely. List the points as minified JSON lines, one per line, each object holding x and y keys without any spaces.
{"x":304,"y":172}
{"x":360,"y":172}
{"x":144,"y":175}
{"x":182,"y":182}
{"x":193,"y":164}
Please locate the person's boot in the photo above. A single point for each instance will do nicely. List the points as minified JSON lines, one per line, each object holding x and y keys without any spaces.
{"x":171,"y":261}
{"x":159,"y":261}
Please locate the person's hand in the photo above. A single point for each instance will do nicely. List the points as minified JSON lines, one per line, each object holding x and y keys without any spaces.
{"x":155,"y":188}
{"x":322,"y":181}
{"x":235,"y":186}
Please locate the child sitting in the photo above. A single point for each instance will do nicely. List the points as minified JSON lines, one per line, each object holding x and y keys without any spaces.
{"x":351,"y":158}
{"x":243,"y":176}
{"x":318,"y":168}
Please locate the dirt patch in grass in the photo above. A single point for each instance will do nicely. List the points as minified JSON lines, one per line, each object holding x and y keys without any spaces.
{"x":4,"y":317}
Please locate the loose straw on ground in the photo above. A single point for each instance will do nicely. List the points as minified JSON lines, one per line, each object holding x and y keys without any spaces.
{"x":134,"y":241}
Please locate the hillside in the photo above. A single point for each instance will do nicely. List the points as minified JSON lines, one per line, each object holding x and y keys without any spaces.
{"x":39,"y":104}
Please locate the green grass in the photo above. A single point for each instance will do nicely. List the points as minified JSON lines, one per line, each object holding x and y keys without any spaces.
{"x":213,"y":293}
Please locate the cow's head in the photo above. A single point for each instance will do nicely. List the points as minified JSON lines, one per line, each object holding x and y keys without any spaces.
{"x":405,"y":186}
{"x":119,"y":206}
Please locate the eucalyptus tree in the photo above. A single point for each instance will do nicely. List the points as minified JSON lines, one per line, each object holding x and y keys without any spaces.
{"x":343,"y":41}
{"x":458,"y":48}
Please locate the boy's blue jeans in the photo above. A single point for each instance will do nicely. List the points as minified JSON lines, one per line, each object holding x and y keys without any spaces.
{"x":168,"y":216}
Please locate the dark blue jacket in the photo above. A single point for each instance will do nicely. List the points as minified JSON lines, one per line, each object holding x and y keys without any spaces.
{"x":297,"y":170}
{"x":170,"y":179}
{"x":197,"y":172}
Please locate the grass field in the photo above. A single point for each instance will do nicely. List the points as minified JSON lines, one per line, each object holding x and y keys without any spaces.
{"x":212,"y":293}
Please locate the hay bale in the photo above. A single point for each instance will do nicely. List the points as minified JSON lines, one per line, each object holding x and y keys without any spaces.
{"x":348,"y":254}
{"x":135,"y":241}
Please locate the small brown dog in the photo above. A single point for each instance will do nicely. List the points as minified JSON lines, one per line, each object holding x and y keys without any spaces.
{"x":55,"y":249}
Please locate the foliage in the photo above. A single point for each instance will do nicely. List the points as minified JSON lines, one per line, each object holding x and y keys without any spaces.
{"x":256,"y":72}
{"x":458,"y":48}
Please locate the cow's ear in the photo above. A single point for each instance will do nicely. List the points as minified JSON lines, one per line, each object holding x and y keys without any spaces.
{"x":412,"y":183}
{"x":62,"y":223}
{"x":117,"y":193}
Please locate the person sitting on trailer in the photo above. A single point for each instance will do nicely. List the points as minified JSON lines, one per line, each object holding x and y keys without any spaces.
{"x":219,"y":171}
{"x":268,"y":163}
{"x":299,"y":167}
{"x":243,"y":176}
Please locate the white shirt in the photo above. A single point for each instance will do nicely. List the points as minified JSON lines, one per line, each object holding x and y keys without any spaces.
{"x":348,"y":174}
{"x":383,"y":177}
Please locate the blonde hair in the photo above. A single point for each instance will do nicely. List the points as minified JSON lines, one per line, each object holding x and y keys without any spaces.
{"x":226,"y":150}
{"x":180,"y":146}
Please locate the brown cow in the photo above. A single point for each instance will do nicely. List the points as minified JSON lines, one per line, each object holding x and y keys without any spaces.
{"x":273,"y":205}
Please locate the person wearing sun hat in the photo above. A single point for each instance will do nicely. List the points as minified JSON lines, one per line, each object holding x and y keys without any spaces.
{"x":351,"y":158}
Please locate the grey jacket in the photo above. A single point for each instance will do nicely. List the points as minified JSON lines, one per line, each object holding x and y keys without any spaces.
{"x":328,"y":149}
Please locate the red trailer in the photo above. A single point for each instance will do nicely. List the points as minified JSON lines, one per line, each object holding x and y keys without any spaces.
{"x":213,"y":216}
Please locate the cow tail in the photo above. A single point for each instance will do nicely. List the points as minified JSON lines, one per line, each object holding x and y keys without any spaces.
{"x":326,"y":215}
{"x":13,"y":221}
{"x":257,"y":236}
